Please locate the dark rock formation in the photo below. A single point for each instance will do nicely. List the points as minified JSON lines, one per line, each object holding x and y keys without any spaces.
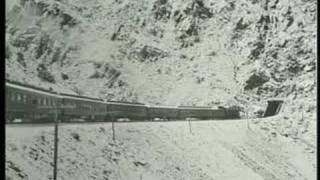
{"x":256,"y":80}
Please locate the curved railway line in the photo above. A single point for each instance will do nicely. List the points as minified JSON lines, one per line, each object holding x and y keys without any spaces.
{"x":26,"y":104}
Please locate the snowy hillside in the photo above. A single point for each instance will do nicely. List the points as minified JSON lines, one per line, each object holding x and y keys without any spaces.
{"x":158,"y":150}
{"x":166,"y":52}
{"x":174,"y":52}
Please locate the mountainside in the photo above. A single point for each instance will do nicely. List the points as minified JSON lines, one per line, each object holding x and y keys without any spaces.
{"x":183,"y":52}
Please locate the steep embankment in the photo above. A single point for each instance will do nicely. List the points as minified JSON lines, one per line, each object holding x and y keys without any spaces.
{"x":157,"y":150}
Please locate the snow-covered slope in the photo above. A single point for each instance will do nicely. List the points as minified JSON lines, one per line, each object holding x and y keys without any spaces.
{"x":173,"y":52}
{"x":166,"y":52}
{"x":158,"y":150}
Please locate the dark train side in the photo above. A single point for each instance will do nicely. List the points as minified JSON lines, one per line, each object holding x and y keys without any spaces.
{"x":31,"y":104}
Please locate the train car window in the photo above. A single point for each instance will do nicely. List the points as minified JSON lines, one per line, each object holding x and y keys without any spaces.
{"x":12,"y":97}
{"x":25,"y":99}
{"x":19,"y":98}
{"x":39,"y":101}
{"x":34,"y":102}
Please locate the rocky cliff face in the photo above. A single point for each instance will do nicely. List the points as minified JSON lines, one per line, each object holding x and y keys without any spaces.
{"x":185,"y":52}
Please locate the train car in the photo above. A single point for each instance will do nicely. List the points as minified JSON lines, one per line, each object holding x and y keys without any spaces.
{"x":81,"y":108}
{"x":195,"y":112}
{"x":163,"y":112}
{"x":26,"y":103}
{"x":131,"y":111}
{"x":233,"y":112}
{"x":219,"y":113}
{"x":29,"y":104}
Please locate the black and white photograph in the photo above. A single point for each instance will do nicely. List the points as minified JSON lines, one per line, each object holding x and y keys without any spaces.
{"x":160,"y":90}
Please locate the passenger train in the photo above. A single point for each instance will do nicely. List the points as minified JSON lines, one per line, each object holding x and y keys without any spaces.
{"x":26,"y":103}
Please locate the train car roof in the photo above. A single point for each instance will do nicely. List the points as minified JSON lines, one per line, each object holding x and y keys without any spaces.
{"x":202,"y":107}
{"x":195,"y":107}
{"x":163,"y":107}
{"x":83,"y":99}
{"x":125,"y":103}
{"x":30,"y":88}
{"x":80,"y":97}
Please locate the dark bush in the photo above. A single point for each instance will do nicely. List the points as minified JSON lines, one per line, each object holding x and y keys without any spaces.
{"x":200,"y":80}
{"x":257,"y":50}
{"x":259,"y":113}
{"x":67,"y":20}
{"x":56,"y":55}
{"x":75,"y":136}
{"x":43,"y":46}
{"x":44,"y":74}
{"x":20,"y":59}
{"x":256,"y":80}
{"x":64,"y":76}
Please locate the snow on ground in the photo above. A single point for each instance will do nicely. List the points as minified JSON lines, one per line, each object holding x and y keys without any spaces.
{"x":158,"y":150}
